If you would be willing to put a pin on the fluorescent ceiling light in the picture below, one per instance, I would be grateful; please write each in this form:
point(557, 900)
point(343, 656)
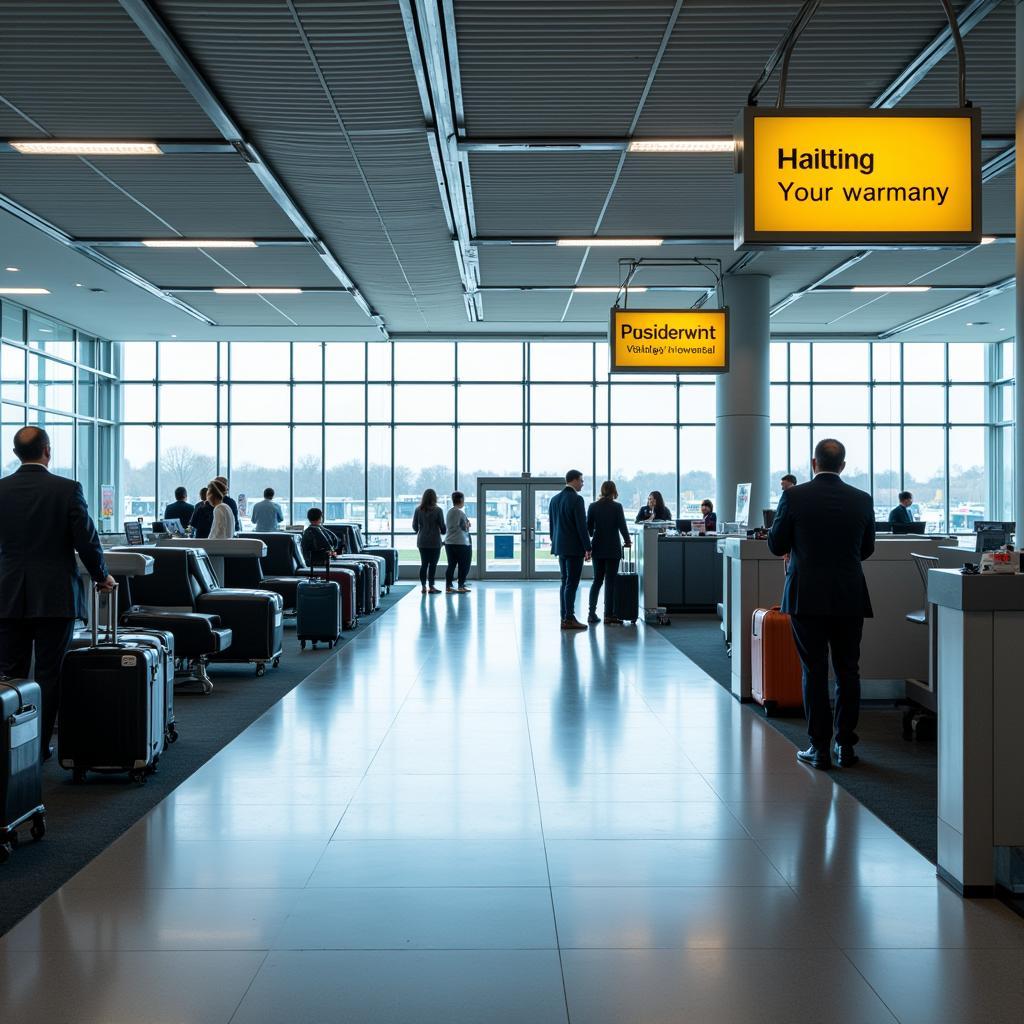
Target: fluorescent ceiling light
point(681, 146)
point(204, 243)
point(987, 239)
point(257, 291)
point(603, 290)
point(53, 147)
point(24, 291)
point(12, 270)
point(891, 288)
point(627, 242)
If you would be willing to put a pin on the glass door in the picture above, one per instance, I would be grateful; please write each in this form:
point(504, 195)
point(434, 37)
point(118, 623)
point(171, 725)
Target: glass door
point(512, 528)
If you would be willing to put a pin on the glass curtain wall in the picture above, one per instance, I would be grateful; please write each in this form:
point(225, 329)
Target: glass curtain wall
point(57, 377)
point(362, 428)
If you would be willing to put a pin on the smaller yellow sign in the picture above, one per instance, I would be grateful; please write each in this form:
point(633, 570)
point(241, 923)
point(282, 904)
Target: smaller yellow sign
point(669, 340)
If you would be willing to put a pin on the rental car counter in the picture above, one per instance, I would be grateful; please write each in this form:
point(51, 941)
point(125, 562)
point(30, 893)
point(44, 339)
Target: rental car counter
point(981, 707)
point(680, 572)
point(893, 649)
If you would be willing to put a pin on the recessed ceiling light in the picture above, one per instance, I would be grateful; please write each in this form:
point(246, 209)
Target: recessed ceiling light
point(978, 323)
point(205, 243)
point(257, 291)
point(53, 147)
point(12, 270)
point(173, 335)
point(987, 239)
point(46, 330)
point(603, 290)
point(891, 288)
point(78, 284)
point(621, 242)
point(682, 146)
point(24, 291)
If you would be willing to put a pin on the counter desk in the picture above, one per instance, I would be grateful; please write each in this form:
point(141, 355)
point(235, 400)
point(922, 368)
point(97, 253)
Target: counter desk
point(679, 572)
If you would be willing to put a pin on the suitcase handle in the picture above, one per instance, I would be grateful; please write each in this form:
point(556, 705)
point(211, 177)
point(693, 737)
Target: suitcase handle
point(629, 554)
point(111, 630)
point(22, 706)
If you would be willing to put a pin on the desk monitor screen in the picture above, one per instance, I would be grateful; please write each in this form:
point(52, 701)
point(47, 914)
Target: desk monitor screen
point(133, 533)
point(883, 526)
point(173, 527)
point(682, 526)
point(697, 526)
point(990, 540)
point(985, 524)
point(768, 517)
point(915, 528)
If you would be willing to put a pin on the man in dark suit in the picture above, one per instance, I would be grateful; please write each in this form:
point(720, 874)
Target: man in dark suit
point(180, 508)
point(567, 525)
point(901, 513)
point(606, 522)
point(44, 520)
point(827, 528)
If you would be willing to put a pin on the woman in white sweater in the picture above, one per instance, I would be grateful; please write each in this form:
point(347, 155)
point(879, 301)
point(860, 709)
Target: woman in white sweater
point(223, 518)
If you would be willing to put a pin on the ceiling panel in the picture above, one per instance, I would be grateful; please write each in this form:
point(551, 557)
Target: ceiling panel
point(978, 266)
point(323, 309)
point(525, 306)
point(997, 205)
point(531, 264)
point(228, 310)
point(849, 312)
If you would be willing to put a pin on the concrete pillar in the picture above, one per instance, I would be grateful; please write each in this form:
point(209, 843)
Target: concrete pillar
point(742, 418)
point(1018, 346)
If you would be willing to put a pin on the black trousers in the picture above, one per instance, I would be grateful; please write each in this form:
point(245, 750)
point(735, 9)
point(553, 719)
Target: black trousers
point(605, 571)
point(429, 557)
point(816, 636)
point(571, 569)
point(460, 556)
point(50, 638)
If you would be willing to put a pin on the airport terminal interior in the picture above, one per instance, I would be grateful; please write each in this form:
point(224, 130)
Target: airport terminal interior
point(336, 254)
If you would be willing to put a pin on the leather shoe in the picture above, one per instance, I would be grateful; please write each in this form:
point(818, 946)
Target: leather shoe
point(573, 623)
point(846, 757)
point(593, 619)
point(815, 758)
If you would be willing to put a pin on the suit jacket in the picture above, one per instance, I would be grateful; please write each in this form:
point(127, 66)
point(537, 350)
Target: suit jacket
point(567, 524)
point(202, 519)
point(44, 520)
point(900, 514)
point(827, 528)
point(180, 510)
point(605, 522)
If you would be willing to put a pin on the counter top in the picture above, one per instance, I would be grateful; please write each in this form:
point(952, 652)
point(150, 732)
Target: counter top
point(887, 549)
point(994, 592)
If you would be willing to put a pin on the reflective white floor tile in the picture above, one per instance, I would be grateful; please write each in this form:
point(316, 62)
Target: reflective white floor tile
point(382, 787)
point(432, 862)
point(191, 822)
point(794, 785)
point(813, 860)
point(718, 987)
point(912, 917)
point(449, 918)
point(141, 861)
point(749, 917)
point(776, 819)
point(623, 787)
point(437, 820)
point(655, 862)
point(947, 986)
point(155, 919)
point(599, 820)
point(239, 789)
point(140, 987)
point(428, 987)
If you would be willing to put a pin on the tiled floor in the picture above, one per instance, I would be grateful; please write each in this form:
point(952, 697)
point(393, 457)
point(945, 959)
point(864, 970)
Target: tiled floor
point(470, 816)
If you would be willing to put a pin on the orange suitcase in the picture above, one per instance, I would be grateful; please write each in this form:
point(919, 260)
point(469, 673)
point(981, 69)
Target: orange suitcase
point(775, 671)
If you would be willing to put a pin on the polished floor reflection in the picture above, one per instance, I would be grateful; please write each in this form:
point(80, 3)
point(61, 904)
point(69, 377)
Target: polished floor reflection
point(472, 816)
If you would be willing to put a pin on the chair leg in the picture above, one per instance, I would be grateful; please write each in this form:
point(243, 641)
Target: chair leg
point(200, 673)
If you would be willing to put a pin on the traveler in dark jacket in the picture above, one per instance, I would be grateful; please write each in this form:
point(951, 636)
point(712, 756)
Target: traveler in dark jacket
point(429, 523)
point(655, 510)
point(901, 513)
point(318, 543)
point(44, 520)
point(827, 528)
point(180, 508)
point(202, 516)
point(606, 522)
point(570, 541)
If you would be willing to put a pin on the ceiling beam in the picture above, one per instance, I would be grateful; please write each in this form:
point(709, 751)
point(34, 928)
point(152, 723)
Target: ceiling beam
point(174, 56)
point(53, 232)
point(989, 292)
point(433, 48)
point(999, 164)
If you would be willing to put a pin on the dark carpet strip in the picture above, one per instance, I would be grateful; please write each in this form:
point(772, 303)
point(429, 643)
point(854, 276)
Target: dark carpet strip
point(896, 779)
point(84, 820)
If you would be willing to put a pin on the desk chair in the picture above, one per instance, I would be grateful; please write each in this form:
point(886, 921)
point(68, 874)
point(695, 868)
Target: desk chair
point(919, 718)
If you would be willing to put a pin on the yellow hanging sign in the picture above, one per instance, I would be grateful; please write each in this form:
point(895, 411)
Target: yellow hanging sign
point(858, 177)
point(669, 340)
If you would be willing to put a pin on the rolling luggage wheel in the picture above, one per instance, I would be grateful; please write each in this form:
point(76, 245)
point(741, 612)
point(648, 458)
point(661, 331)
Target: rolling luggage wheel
point(38, 827)
point(769, 709)
point(302, 645)
point(277, 663)
point(138, 777)
point(172, 733)
point(261, 670)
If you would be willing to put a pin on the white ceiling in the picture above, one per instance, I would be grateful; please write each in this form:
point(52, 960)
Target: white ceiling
point(339, 101)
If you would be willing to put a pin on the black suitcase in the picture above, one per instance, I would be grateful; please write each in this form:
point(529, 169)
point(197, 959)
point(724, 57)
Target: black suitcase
point(165, 646)
point(21, 773)
point(626, 594)
point(370, 576)
point(113, 705)
point(318, 612)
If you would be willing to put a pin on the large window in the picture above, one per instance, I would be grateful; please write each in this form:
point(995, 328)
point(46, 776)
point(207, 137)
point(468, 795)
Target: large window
point(56, 377)
point(362, 428)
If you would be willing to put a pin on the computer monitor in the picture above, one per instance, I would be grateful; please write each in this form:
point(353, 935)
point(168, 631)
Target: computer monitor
point(768, 516)
point(985, 524)
point(682, 526)
point(173, 527)
point(698, 526)
point(883, 526)
point(990, 540)
point(903, 528)
point(133, 533)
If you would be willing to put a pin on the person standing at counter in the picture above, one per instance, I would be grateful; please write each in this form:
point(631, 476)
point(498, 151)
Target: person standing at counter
point(202, 516)
point(570, 542)
point(827, 528)
point(655, 509)
point(786, 482)
point(605, 522)
point(901, 513)
point(707, 510)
